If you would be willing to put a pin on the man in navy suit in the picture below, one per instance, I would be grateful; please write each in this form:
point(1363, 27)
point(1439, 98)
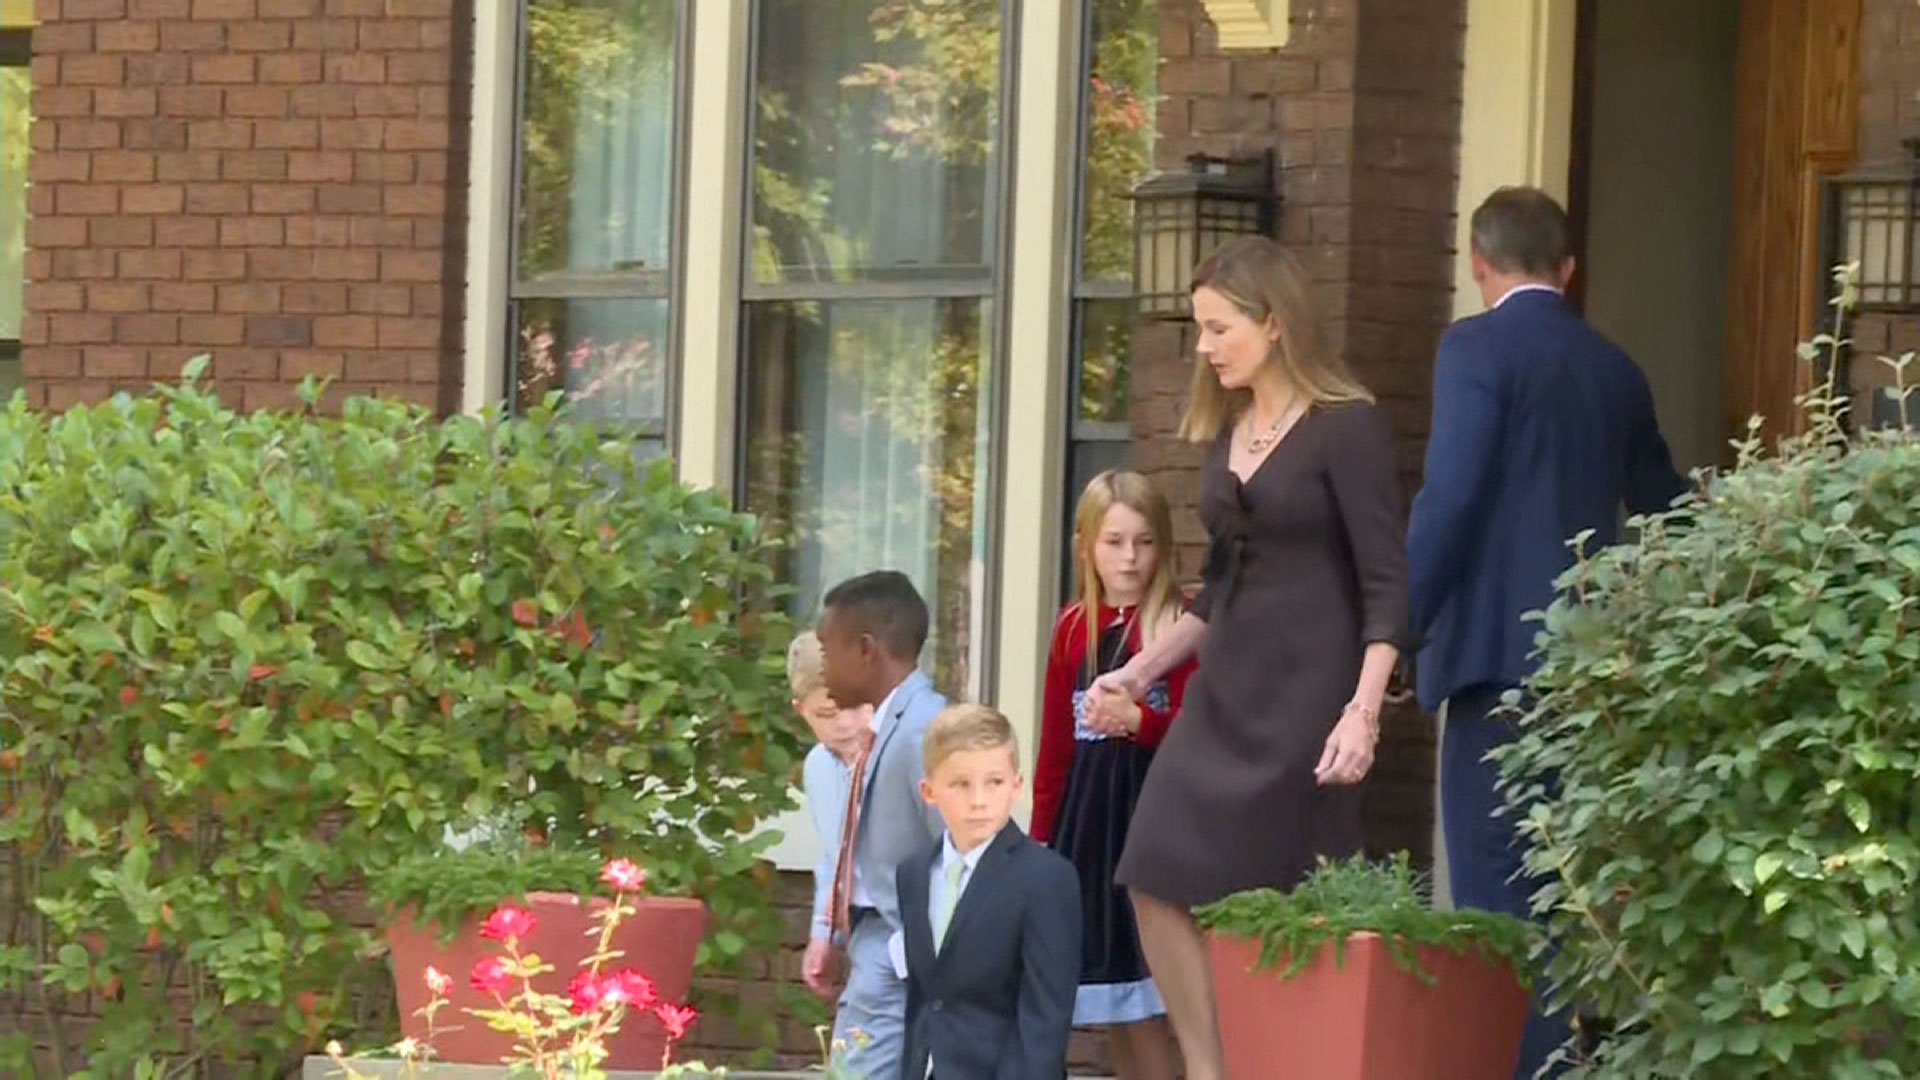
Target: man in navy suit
point(1542, 429)
point(991, 920)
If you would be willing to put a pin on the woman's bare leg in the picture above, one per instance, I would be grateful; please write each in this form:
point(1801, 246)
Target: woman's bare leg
point(1141, 1051)
point(1176, 953)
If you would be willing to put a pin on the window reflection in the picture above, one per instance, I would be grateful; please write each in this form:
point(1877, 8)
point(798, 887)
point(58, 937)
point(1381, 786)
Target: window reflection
point(866, 425)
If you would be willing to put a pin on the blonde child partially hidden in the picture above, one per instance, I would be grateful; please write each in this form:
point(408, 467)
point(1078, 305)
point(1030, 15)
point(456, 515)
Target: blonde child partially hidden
point(824, 781)
point(1093, 758)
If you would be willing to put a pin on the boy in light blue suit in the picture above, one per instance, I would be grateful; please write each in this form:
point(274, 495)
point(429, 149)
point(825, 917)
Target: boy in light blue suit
point(825, 779)
point(870, 635)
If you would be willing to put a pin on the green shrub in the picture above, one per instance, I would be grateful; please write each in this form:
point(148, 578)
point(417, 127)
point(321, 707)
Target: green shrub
point(1340, 899)
point(446, 886)
point(251, 660)
point(1719, 761)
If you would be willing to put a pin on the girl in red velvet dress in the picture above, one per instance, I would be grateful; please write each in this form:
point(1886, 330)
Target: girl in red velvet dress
point(1091, 762)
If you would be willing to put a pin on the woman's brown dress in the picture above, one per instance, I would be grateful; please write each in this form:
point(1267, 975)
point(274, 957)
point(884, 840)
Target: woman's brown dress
point(1307, 565)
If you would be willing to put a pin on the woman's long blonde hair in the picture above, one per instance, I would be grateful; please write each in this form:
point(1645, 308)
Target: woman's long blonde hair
point(1263, 280)
point(1159, 603)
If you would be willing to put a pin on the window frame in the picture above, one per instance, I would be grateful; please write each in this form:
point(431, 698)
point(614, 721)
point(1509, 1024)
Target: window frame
point(993, 288)
point(1082, 290)
point(16, 51)
point(668, 284)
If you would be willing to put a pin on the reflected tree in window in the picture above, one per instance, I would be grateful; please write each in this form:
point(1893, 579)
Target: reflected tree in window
point(876, 149)
point(1120, 105)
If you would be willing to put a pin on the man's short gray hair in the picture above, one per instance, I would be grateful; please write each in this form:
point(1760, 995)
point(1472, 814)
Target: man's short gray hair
point(1521, 230)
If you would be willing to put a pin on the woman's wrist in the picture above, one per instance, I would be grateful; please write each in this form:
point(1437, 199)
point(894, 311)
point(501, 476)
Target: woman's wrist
point(1369, 715)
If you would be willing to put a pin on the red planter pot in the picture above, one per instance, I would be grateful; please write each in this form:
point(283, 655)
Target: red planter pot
point(659, 940)
point(1367, 1019)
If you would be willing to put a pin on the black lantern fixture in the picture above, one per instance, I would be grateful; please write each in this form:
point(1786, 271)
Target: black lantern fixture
point(1874, 221)
point(1181, 218)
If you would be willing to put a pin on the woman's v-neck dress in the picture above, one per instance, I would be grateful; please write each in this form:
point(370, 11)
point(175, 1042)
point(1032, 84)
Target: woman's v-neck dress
point(1306, 566)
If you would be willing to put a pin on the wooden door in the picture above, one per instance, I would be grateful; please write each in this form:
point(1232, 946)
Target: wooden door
point(1795, 120)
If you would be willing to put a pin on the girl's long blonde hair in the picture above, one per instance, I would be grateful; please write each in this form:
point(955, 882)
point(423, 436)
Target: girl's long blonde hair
point(1159, 603)
point(1263, 280)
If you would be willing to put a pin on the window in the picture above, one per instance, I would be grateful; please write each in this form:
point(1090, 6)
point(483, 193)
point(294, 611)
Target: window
point(1117, 133)
point(16, 85)
point(870, 320)
point(594, 225)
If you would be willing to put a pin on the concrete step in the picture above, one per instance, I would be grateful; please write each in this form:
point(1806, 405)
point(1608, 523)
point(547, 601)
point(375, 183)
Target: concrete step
point(321, 1068)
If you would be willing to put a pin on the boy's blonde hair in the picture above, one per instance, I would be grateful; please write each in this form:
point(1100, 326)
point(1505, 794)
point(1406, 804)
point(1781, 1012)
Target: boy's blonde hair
point(806, 665)
point(965, 727)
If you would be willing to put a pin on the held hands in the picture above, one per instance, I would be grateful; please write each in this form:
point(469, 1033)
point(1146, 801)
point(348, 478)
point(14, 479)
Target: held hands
point(1113, 702)
point(1349, 750)
point(1113, 714)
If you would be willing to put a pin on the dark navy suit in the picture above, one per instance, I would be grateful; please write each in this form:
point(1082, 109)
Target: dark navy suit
point(1542, 430)
point(995, 1000)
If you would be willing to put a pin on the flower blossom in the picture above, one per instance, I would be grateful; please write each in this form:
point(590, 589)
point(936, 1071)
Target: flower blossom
point(623, 875)
point(628, 987)
point(507, 922)
point(491, 975)
point(676, 1018)
point(584, 992)
point(439, 983)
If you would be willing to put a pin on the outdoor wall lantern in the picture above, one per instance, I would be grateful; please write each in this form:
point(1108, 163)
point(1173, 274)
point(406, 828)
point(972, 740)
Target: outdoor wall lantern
point(1180, 218)
point(1872, 222)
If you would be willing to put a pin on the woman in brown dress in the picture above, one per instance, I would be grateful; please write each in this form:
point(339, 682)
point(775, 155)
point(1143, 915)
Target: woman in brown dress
point(1297, 626)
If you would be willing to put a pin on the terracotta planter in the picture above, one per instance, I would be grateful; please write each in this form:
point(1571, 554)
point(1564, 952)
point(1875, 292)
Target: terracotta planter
point(659, 940)
point(1367, 1019)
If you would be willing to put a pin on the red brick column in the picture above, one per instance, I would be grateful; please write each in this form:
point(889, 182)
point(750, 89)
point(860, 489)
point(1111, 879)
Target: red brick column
point(280, 183)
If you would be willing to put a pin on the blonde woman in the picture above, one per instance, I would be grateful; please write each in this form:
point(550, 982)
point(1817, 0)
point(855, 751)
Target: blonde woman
point(1092, 762)
point(1297, 626)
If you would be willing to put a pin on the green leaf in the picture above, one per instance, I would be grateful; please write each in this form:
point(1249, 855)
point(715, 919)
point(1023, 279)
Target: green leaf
point(1858, 811)
point(368, 657)
point(1767, 865)
point(1707, 849)
point(231, 626)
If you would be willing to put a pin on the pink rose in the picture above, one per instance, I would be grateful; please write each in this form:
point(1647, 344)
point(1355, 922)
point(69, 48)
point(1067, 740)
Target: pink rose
point(623, 875)
point(676, 1018)
point(585, 992)
point(629, 987)
point(507, 921)
point(439, 983)
point(491, 975)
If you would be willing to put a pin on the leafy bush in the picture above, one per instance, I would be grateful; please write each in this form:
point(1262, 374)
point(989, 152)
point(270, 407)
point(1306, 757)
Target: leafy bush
point(251, 660)
point(1718, 763)
point(1340, 899)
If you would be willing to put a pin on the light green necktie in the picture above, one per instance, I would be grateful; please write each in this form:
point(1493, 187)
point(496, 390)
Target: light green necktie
point(943, 915)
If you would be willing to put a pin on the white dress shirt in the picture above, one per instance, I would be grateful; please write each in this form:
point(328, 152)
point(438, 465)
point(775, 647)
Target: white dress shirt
point(1530, 286)
point(937, 889)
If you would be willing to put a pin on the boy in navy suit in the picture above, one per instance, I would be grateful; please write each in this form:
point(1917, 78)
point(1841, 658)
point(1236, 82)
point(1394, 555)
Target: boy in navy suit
point(991, 919)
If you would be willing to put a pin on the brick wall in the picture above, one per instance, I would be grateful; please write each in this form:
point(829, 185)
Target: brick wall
point(279, 183)
point(1361, 110)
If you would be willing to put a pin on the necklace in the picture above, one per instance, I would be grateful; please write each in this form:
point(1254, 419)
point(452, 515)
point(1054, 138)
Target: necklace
point(1126, 631)
point(1261, 442)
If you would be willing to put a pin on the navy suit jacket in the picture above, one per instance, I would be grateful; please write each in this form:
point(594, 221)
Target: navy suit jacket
point(995, 1002)
point(1542, 429)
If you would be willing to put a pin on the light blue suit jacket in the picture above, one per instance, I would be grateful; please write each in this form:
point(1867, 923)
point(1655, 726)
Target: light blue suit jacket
point(895, 822)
